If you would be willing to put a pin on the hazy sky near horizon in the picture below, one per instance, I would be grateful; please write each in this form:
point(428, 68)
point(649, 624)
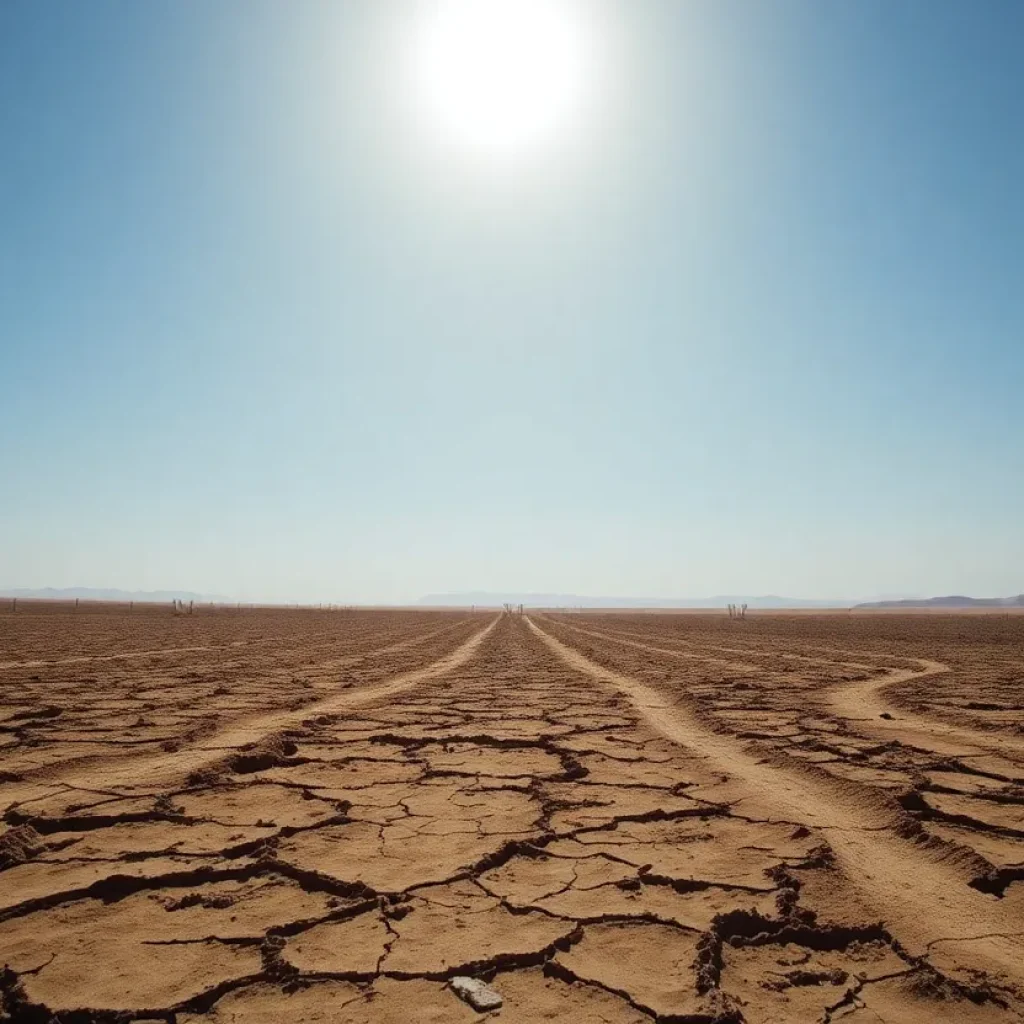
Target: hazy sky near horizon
point(752, 323)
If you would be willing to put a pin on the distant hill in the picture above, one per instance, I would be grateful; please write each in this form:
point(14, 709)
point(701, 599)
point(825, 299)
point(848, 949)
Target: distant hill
point(98, 594)
point(951, 601)
point(495, 600)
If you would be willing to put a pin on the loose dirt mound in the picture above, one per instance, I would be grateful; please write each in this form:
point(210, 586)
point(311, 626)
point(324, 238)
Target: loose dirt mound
point(606, 819)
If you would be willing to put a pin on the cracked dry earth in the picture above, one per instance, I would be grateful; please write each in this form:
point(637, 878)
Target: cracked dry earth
point(607, 818)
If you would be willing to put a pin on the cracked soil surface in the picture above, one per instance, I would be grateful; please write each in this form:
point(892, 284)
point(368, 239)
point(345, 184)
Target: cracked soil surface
point(610, 819)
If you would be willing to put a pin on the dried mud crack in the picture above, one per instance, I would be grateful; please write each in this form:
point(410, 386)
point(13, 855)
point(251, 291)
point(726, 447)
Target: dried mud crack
point(633, 819)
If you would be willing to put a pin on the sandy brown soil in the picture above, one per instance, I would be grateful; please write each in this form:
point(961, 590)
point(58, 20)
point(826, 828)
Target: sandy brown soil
point(302, 816)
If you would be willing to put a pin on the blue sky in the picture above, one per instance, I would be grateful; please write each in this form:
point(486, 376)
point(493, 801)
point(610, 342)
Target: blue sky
point(758, 328)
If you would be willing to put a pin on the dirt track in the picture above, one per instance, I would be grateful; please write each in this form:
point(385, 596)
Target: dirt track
point(315, 817)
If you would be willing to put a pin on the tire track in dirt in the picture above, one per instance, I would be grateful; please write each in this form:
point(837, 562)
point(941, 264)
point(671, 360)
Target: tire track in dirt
point(863, 703)
point(161, 769)
point(739, 666)
point(919, 888)
point(866, 704)
point(160, 652)
point(320, 666)
point(610, 634)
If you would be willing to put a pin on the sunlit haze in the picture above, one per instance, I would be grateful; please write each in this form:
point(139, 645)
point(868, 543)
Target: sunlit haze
point(358, 301)
point(500, 77)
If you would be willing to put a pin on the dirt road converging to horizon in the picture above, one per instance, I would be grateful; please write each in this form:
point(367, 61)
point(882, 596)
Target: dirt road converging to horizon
point(894, 873)
point(251, 731)
point(608, 818)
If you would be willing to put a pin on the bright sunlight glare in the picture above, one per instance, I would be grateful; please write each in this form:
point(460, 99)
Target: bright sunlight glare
point(501, 77)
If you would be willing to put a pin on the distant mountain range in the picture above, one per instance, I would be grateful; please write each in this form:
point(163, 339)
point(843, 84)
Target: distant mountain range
point(952, 601)
point(490, 599)
point(495, 600)
point(96, 594)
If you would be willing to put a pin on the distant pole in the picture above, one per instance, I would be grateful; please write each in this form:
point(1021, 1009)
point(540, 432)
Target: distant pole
point(14, 605)
point(76, 604)
point(131, 605)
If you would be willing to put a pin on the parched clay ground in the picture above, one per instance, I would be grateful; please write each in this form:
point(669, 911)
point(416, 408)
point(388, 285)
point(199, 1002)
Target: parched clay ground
point(325, 816)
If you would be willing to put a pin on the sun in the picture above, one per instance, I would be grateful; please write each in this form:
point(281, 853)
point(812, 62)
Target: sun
point(500, 77)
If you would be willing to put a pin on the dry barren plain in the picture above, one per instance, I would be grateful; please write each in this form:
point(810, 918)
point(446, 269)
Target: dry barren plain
point(280, 815)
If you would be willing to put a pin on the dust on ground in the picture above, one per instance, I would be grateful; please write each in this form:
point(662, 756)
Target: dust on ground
point(257, 815)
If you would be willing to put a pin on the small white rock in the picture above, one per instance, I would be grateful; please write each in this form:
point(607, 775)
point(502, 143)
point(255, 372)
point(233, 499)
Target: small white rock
point(480, 996)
